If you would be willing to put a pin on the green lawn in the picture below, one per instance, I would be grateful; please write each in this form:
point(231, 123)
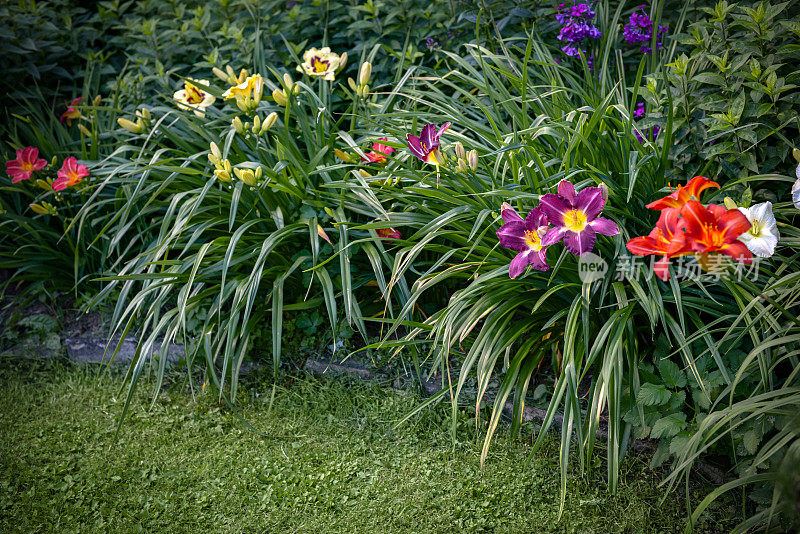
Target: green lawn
point(330, 461)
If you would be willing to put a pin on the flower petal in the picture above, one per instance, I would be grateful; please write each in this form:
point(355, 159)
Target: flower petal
point(644, 246)
point(511, 236)
point(738, 251)
point(567, 190)
point(553, 235)
point(415, 147)
point(554, 206)
point(604, 226)
point(590, 201)
point(580, 243)
point(428, 137)
point(518, 264)
point(508, 213)
point(536, 218)
point(732, 224)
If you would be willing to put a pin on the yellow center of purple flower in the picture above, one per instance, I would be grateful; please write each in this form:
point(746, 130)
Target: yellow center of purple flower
point(575, 220)
point(533, 240)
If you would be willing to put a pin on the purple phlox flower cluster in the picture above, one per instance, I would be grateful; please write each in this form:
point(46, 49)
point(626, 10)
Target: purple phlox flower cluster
point(431, 43)
point(639, 29)
point(576, 26)
point(638, 113)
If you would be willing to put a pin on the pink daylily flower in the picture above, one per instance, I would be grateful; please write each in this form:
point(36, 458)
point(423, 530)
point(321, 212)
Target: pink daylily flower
point(379, 153)
point(524, 236)
point(70, 174)
point(574, 217)
point(426, 146)
point(25, 165)
point(72, 112)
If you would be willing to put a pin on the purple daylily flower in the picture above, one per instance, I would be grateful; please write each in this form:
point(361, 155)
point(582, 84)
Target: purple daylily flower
point(524, 236)
point(574, 217)
point(426, 146)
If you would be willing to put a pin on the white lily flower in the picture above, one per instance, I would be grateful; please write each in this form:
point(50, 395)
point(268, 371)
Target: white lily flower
point(763, 235)
point(796, 188)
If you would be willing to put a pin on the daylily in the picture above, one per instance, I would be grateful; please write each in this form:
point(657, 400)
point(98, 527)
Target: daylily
point(389, 234)
point(379, 153)
point(72, 112)
point(715, 229)
point(763, 234)
point(246, 88)
point(684, 193)
point(524, 236)
point(25, 165)
point(193, 98)
point(574, 217)
point(70, 174)
point(320, 62)
point(667, 239)
point(426, 146)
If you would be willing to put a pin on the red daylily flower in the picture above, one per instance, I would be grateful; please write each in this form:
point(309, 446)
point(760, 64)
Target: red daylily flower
point(379, 153)
point(70, 174)
point(683, 194)
point(667, 239)
point(27, 163)
point(72, 112)
point(389, 234)
point(716, 229)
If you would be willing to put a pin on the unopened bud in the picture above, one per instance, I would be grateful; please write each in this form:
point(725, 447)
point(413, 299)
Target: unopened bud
point(215, 150)
point(460, 152)
point(365, 174)
point(220, 74)
point(604, 192)
point(364, 73)
point(730, 203)
point(352, 83)
point(238, 126)
point(364, 90)
point(259, 173)
point(279, 97)
point(231, 75)
point(796, 154)
point(246, 175)
point(44, 184)
point(296, 89)
point(226, 165)
point(84, 130)
point(54, 161)
point(222, 175)
point(472, 158)
point(268, 122)
point(287, 80)
point(462, 165)
point(322, 234)
point(145, 114)
point(342, 62)
point(131, 126)
point(97, 100)
point(44, 208)
point(256, 125)
point(258, 89)
point(243, 74)
point(344, 156)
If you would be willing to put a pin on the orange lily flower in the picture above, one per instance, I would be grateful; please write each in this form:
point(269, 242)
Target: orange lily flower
point(716, 229)
point(667, 239)
point(684, 193)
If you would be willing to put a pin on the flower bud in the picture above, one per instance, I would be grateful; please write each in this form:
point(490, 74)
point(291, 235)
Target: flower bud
point(730, 203)
point(279, 97)
point(221, 75)
point(268, 122)
point(352, 83)
point(796, 154)
point(131, 126)
point(256, 125)
point(231, 75)
point(215, 150)
point(604, 192)
point(364, 73)
point(462, 165)
point(84, 130)
point(44, 209)
point(322, 234)
point(258, 90)
point(243, 74)
point(365, 174)
point(44, 184)
point(222, 175)
point(238, 126)
point(259, 173)
point(460, 152)
point(342, 62)
point(246, 175)
point(287, 80)
point(226, 165)
point(54, 161)
point(472, 158)
point(296, 89)
point(344, 156)
point(145, 114)
point(364, 90)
